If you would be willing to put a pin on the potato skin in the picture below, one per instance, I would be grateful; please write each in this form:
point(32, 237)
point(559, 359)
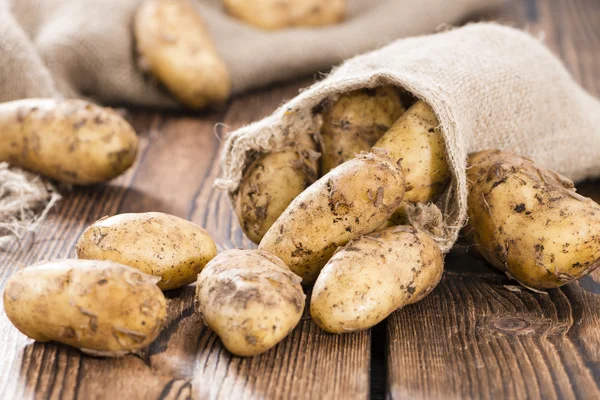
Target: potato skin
point(72, 141)
point(351, 200)
point(374, 275)
point(177, 49)
point(415, 138)
point(271, 183)
point(157, 244)
point(250, 299)
point(355, 122)
point(278, 14)
point(101, 307)
point(530, 222)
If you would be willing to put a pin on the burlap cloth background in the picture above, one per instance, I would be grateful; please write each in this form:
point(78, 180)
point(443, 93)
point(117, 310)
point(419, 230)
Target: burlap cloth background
point(490, 86)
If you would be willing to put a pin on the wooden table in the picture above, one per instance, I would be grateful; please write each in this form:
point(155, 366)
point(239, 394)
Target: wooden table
point(473, 337)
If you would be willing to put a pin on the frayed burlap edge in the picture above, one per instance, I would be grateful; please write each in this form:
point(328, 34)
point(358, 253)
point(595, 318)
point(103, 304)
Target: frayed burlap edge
point(25, 200)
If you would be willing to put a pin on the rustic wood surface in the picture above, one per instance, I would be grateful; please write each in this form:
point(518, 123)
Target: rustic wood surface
point(475, 336)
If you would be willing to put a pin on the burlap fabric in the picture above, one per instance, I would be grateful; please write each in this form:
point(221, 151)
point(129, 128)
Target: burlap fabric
point(490, 86)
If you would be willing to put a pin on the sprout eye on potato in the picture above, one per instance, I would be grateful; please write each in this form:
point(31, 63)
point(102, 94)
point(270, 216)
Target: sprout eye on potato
point(157, 244)
point(374, 275)
point(351, 200)
point(530, 222)
point(355, 122)
point(250, 299)
point(175, 46)
point(72, 141)
point(100, 307)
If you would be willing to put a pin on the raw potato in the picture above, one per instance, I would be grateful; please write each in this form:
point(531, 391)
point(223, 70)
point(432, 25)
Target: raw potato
point(72, 141)
point(157, 244)
point(373, 276)
point(101, 307)
point(271, 183)
point(416, 140)
point(175, 46)
point(355, 122)
point(250, 299)
point(278, 14)
point(530, 222)
point(351, 200)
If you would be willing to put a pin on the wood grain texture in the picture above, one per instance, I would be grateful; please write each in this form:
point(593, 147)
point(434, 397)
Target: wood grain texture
point(473, 337)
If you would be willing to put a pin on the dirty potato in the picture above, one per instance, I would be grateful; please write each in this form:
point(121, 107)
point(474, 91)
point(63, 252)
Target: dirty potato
point(373, 276)
point(530, 222)
point(415, 139)
point(157, 244)
point(351, 200)
point(101, 307)
point(271, 183)
point(72, 141)
point(250, 299)
point(278, 14)
point(355, 122)
point(175, 46)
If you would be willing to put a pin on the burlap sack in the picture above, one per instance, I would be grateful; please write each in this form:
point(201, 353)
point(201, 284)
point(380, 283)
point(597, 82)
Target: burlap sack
point(490, 86)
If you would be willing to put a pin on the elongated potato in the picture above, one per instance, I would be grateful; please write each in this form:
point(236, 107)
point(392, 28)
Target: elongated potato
point(250, 299)
point(101, 307)
point(530, 222)
point(271, 183)
point(175, 46)
point(355, 122)
point(373, 276)
point(72, 141)
point(416, 140)
point(278, 14)
point(157, 244)
point(351, 200)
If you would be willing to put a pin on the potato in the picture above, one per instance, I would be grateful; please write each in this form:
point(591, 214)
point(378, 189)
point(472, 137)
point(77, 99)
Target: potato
point(271, 183)
point(72, 141)
point(101, 307)
point(373, 276)
point(250, 299)
point(278, 14)
point(530, 222)
point(416, 140)
point(175, 46)
point(157, 244)
point(351, 200)
point(355, 122)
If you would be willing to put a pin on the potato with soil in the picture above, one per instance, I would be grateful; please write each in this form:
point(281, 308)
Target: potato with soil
point(278, 14)
point(101, 307)
point(351, 200)
point(271, 183)
point(530, 222)
point(250, 299)
point(157, 244)
point(176, 48)
point(416, 140)
point(72, 141)
point(373, 276)
point(355, 122)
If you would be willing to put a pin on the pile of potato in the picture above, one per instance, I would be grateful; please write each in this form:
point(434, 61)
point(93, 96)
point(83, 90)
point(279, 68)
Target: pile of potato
point(345, 234)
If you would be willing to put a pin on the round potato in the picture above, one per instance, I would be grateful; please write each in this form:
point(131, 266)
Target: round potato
point(250, 299)
point(157, 244)
point(271, 183)
point(373, 276)
point(101, 307)
point(278, 14)
point(175, 46)
point(355, 122)
point(530, 222)
point(351, 200)
point(72, 141)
